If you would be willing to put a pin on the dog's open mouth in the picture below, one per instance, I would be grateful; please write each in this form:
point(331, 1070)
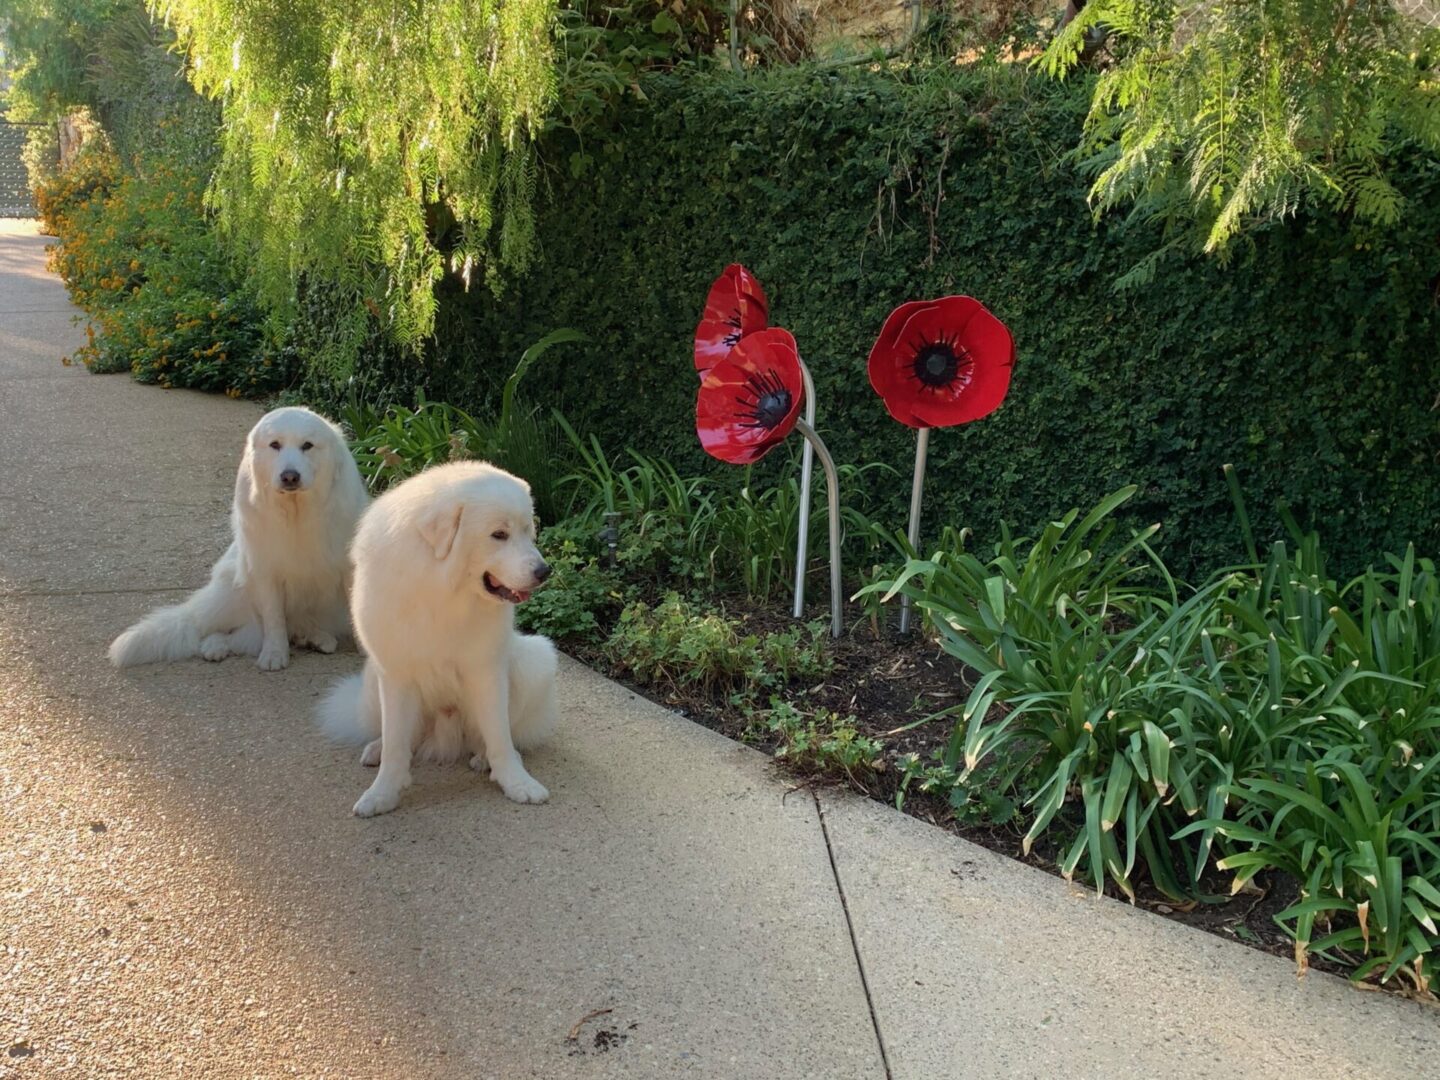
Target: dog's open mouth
point(504, 592)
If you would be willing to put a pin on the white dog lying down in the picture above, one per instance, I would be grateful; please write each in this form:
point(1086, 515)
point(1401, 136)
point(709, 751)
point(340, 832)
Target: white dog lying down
point(298, 496)
point(440, 561)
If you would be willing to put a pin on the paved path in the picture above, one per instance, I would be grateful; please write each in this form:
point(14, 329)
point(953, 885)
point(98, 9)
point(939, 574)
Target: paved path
point(184, 892)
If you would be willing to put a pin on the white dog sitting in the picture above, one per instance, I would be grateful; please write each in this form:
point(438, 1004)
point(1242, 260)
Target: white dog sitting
point(440, 562)
point(283, 580)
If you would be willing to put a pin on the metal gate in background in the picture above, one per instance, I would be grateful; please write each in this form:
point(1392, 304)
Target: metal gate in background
point(15, 197)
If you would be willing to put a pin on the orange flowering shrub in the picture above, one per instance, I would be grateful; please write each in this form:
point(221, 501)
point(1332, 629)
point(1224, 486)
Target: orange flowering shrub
point(89, 176)
point(165, 303)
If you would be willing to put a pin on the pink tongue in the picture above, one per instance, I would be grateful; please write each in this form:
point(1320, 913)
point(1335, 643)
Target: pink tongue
point(520, 597)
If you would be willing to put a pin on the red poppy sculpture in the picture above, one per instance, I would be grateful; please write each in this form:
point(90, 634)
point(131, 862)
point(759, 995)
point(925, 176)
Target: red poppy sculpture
point(735, 307)
point(938, 363)
point(753, 386)
point(750, 400)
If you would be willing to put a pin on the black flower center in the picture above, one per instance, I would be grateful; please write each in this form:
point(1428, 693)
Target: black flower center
point(733, 338)
point(941, 363)
point(765, 402)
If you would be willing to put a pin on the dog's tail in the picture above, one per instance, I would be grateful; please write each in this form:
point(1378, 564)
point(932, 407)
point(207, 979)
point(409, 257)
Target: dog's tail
point(170, 633)
point(350, 712)
point(533, 712)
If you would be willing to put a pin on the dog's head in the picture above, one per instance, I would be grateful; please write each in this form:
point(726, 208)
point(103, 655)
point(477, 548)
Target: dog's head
point(292, 450)
point(484, 525)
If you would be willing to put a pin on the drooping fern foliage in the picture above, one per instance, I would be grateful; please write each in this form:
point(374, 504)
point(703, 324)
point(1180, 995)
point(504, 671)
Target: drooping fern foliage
point(1220, 116)
point(373, 147)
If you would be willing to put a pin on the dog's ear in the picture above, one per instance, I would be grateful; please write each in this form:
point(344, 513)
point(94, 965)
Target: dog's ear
point(250, 486)
point(440, 528)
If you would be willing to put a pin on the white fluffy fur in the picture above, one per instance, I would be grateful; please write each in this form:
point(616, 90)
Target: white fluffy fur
point(447, 673)
point(284, 578)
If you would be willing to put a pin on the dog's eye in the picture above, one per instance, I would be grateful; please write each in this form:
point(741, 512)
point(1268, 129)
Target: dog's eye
point(275, 445)
point(307, 446)
point(499, 534)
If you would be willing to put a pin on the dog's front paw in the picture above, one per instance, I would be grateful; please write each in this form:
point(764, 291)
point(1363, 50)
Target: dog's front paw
point(274, 657)
point(370, 756)
point(318, 640)
point(377, 800)
point(479, 763)
point(519, 786)
point(215, 647)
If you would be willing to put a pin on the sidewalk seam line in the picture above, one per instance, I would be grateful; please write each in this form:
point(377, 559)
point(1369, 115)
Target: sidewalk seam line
point(854, 941)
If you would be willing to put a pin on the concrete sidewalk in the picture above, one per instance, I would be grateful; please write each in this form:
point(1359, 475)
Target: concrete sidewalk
point(184, 892)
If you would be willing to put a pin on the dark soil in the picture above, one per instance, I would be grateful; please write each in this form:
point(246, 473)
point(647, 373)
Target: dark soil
point(887, 684)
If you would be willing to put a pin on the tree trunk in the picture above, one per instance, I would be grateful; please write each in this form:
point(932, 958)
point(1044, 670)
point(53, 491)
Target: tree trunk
point(1094, 38)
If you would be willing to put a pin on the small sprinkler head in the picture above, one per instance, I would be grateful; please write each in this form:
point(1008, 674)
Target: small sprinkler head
point(610, 537)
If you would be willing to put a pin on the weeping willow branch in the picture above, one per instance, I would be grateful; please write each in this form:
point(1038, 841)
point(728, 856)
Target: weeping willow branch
point(377, 146)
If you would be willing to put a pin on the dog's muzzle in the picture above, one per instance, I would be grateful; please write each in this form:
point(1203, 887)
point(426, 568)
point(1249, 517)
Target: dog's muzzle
point(289, 480)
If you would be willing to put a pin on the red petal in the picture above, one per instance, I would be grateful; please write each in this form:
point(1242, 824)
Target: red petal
point(882, 377)
point(723, 428)
point(735, 305)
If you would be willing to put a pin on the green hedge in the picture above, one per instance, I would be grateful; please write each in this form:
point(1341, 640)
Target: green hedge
point(1309, 361)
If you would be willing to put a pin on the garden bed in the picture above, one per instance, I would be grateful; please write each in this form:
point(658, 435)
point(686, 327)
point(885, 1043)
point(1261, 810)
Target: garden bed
point(886, 687)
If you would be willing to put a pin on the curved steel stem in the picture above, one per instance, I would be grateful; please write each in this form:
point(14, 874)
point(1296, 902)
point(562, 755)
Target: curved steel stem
point(832, 493)
point(917, 492)
point(807, 468)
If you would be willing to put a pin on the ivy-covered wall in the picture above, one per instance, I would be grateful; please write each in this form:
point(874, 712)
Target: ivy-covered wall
point(1310, 361)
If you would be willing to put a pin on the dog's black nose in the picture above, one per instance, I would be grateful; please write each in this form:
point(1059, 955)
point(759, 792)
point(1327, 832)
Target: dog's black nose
point(289, 478)
point(542, 571)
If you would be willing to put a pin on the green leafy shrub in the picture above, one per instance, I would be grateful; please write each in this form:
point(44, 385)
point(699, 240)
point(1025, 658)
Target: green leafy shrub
point(1269, 720)
point(735, 531)
point(1348, 800)
point(61, 193)
point(580, 596)
point(1035, 622)
point(395, 444)
point(818, 740)
point(1365, 847)
point(41, 156)
point(681, 644)
point(138, 254)
point(973, 799)
point(399, 442)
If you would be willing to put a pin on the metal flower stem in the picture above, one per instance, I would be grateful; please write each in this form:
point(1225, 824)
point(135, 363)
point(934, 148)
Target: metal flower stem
point(807, 469)
point(917, 491)
point(832, 493)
